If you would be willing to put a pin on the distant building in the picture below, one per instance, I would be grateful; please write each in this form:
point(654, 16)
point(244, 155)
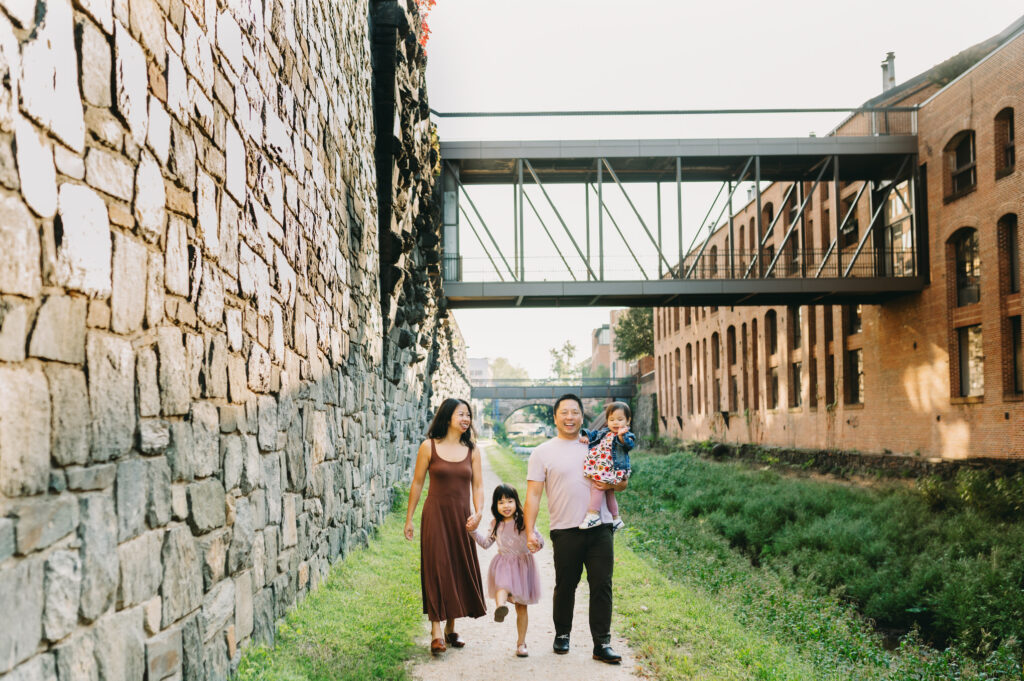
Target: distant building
point(479, 369)
point(939, 373)
point(619, 367)
point(600, 351)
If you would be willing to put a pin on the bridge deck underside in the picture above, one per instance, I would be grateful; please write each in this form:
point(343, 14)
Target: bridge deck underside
point(680, 293)
point(550, 392)
point(790, 159)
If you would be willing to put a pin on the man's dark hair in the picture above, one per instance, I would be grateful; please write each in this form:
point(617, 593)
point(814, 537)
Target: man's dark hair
point(563, 398)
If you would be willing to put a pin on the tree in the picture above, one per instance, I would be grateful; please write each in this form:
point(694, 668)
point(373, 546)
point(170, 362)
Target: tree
point(562, 365)
point(502, 368)
point(634, 333)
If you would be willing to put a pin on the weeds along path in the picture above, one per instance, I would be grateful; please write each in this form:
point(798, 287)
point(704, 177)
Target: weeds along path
point(490, 647)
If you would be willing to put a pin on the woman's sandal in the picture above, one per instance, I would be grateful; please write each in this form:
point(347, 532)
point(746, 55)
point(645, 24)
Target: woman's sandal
point(521, 650)
point(500, 612)
point(437, 646)
point(454, 640)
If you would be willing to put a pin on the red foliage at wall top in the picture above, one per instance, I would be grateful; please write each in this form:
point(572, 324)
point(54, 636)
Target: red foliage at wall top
point(424, 7)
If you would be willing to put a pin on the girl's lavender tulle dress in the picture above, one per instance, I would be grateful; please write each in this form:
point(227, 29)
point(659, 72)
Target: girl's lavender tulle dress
point(513, 569)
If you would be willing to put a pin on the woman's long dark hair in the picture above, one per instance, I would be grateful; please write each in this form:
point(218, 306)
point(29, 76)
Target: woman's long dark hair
point(504, 491)
point(442, 419)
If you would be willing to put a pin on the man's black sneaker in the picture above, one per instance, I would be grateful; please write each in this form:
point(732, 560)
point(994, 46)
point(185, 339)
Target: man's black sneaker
point(604, 653)
point(561, 644)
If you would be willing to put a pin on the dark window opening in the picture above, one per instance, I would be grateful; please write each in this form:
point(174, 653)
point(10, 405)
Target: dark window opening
point(854, 319)
point(960, 154)
point(795, 378)
point(855, 377)
point(1018, 355)
point(968, 268)
point(1009, 241)
point(1006, 154)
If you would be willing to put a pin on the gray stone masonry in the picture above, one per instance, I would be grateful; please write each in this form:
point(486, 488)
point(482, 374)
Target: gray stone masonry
point(208, 398)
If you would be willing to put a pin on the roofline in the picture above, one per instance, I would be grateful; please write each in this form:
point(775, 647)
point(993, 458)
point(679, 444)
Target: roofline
point(998, 48)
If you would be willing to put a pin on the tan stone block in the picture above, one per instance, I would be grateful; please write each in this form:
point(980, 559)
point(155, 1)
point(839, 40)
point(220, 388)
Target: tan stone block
point(179, 200)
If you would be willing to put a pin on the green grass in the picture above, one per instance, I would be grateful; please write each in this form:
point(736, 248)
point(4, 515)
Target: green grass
point(702, 523)
point(677, 631)
point(687, 595)
point(359, 624)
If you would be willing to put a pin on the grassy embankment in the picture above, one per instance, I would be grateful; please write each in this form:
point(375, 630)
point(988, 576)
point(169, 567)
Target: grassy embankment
point(790, 558)
point(692, 605)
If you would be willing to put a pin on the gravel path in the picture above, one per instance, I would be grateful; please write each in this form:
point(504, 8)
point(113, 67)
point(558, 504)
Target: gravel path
point(490, 647)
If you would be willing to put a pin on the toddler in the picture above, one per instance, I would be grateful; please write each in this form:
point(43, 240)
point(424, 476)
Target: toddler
point(608, 462)
point(513, 576)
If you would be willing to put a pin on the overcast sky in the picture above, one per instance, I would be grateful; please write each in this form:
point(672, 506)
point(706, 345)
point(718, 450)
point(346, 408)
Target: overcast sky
point(542, 55)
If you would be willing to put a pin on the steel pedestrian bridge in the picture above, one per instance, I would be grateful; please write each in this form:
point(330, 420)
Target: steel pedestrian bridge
point(875, 147)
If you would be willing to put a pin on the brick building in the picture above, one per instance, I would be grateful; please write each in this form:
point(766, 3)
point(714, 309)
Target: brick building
point(938, 373)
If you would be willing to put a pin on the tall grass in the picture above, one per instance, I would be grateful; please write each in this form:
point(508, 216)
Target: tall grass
point(955, 575)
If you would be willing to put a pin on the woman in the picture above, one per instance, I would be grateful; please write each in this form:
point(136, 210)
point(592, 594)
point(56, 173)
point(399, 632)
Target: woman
point(449, 570)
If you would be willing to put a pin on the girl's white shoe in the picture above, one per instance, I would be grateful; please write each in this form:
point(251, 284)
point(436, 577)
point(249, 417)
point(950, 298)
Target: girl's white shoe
point(591, 520)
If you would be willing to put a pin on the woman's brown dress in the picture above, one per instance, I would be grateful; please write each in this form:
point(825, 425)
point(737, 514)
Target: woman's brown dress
point(449, 570)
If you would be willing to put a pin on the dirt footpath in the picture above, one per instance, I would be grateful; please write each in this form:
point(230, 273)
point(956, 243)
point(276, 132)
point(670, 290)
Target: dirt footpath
point(490, 647)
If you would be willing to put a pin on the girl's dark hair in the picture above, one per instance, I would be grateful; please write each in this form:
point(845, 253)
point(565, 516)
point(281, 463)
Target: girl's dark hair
point(504, 491)
point(612, 407)
point(439, 426)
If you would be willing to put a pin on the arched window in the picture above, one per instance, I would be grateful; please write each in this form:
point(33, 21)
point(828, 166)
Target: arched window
point(771, 333)
point(767, 215)
point(713, 264)
point(753, 235)
point(715, 355)
point(1006, 154)
point(961, 170)
point(730, 345)
point(968, 266)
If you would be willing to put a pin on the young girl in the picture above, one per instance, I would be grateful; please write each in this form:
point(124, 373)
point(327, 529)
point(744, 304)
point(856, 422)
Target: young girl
point(513, 576)
point(608, 462)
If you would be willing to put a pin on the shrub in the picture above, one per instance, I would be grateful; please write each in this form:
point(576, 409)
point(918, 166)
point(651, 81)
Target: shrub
point(942, 559)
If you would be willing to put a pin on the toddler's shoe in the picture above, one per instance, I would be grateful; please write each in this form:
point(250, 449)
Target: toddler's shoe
point(617, 524)
point(591, 520)
point(500, 613)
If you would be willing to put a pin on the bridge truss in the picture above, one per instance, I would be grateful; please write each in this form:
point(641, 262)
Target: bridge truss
point(584, 274)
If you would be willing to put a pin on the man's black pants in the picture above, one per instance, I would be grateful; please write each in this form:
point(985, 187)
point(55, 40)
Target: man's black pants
point(575, 549)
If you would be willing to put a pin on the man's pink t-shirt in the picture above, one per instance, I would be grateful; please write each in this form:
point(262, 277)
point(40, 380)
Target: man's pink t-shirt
point(558, 463)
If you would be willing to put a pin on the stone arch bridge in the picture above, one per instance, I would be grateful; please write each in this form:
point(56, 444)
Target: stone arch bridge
point(511, 395)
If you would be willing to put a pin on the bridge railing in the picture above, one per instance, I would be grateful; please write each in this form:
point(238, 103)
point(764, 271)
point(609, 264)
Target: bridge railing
point(567, 382)
point(718, 265)
point(585, 124)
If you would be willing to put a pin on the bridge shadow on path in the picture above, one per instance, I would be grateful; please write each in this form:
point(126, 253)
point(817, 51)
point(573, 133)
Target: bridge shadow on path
point(490, 646)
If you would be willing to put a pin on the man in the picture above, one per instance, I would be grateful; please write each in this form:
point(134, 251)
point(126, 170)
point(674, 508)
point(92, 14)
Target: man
point(557, 466)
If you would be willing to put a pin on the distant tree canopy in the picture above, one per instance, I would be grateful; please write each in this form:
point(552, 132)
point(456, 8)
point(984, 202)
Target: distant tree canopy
point(502, 368)
point(634, 333)
point(562, 365)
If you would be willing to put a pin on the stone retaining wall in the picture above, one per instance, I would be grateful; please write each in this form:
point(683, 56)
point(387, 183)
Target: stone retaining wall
point(202, 403)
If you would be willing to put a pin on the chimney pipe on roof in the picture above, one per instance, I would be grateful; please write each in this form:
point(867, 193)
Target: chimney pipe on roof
point(889, 72)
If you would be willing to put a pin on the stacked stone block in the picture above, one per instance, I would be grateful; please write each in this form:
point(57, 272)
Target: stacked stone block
point(197, 414)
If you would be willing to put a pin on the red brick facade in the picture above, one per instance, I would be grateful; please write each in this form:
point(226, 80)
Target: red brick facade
point(937, 373)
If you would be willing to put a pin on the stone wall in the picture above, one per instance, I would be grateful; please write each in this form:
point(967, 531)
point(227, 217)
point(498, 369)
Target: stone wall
point(203, 405)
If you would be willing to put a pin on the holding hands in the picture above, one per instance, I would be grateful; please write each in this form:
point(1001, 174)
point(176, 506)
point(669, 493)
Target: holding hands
point(533, 544)
point(473, 521)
